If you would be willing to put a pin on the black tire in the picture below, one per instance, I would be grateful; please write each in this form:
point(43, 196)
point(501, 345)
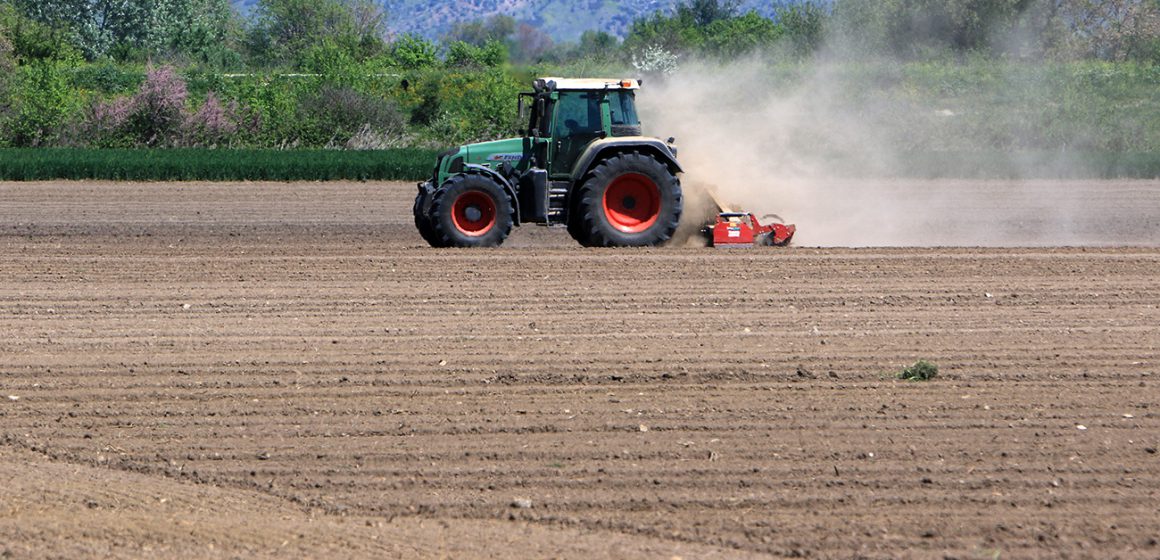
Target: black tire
point(471, 210)
point(576, 226)
point(628, 200)
point(422, 221)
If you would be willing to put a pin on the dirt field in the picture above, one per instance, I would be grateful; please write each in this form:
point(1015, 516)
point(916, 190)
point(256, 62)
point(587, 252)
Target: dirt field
point(286, 371)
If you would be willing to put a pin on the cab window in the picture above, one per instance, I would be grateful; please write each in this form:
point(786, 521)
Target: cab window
point(578, 112)
point(622, 108)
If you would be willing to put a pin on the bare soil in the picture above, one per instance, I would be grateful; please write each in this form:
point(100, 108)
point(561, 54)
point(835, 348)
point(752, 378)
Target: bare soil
point(272, 370)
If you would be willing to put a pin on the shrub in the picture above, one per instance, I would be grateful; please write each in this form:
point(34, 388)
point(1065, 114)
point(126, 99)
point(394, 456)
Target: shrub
point(157, 111)
point(465, 55)
point(804, 26)
point(922, 370)
point(107, 78)
point(733, 37)
point(43, 102)
point(654, 59)
point(106, 125)
point(338, 114)
point(213, 124)
point(414, 53)
point(32, 40)
point(270, 108)
point(462, 107)
point(6, 63)
point(158, 115)
point(6, 67)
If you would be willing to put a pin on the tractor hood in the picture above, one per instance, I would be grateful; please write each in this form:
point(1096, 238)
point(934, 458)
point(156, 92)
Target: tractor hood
point(489, 154)
point(495, 153)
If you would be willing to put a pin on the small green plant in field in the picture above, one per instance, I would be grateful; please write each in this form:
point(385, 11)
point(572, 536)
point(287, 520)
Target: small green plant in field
point(922, 370)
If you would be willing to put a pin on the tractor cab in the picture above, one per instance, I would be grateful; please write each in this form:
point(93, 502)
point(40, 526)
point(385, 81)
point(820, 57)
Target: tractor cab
point(565, 116)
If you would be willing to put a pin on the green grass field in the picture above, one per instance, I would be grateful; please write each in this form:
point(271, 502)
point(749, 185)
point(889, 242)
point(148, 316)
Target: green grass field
point(213, 165)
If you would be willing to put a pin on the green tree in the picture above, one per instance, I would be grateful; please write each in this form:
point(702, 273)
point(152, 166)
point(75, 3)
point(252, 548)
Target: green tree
point(6, 63)
point(482, 31)
point(1105, 29)
point(286, 30)
point(912, 28)
point(152, 27)
point(676, 33)
point(530, 44)
point(702, 26)
point(6, 67)
point(735, 36)
point(43, 100)
point(597, 44)
point(414, 53)
point(30, 39)
point(466, 55)
point(804, 25)
point(705, 12)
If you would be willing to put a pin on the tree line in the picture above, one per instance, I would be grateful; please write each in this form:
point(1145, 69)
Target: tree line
point(328, 73)
point(296, 34)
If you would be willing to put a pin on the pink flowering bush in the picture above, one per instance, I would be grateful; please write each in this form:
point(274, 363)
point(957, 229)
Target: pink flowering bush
point(159, 116)
point(106, 124)
point(213, 124)
point(158, 109)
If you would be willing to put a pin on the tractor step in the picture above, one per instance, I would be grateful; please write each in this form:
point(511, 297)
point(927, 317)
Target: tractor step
point(558, 201)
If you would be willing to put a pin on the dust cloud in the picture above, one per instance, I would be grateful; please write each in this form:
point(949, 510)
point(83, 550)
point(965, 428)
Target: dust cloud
point(808, 142)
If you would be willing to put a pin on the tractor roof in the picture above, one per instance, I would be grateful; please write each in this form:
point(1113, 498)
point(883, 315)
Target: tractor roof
point(592, 83)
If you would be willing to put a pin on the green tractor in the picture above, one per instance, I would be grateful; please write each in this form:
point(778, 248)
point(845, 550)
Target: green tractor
point(582, 163)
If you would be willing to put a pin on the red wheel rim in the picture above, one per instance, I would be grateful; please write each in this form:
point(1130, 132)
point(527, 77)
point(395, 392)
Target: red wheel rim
point(632, 203)
point(473, 213)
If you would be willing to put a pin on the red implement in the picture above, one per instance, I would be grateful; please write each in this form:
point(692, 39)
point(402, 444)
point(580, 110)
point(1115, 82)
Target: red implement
point(740, 229)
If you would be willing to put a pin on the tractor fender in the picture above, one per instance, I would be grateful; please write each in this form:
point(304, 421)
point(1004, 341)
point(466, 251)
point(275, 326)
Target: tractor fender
point(503, 182)
point(644, 144)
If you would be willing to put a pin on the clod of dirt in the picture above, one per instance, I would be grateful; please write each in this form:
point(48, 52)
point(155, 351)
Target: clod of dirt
point(1150, 450)
point(522, 503)
point(803, 372)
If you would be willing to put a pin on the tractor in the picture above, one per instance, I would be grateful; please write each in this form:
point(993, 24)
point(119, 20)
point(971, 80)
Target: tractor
point(582, 163)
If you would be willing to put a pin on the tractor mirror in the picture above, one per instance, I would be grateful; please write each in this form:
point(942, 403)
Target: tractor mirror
point(540, 117)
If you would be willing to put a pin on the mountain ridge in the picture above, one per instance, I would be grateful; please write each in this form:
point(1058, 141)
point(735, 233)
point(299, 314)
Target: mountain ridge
point(562, 20)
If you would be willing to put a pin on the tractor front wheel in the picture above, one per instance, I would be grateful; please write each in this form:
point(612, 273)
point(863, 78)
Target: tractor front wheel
point(471, 210)
point(628, 200)
point(423, 221)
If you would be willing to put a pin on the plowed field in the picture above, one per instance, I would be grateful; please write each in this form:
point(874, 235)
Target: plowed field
point(256, 370)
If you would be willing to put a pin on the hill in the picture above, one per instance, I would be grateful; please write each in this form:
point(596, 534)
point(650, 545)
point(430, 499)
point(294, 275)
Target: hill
point(563, 20)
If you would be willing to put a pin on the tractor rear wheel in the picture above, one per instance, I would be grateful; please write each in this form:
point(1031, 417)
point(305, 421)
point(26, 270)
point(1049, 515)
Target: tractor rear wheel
point(628, 200)
point(471, 210)
point(423, 221)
